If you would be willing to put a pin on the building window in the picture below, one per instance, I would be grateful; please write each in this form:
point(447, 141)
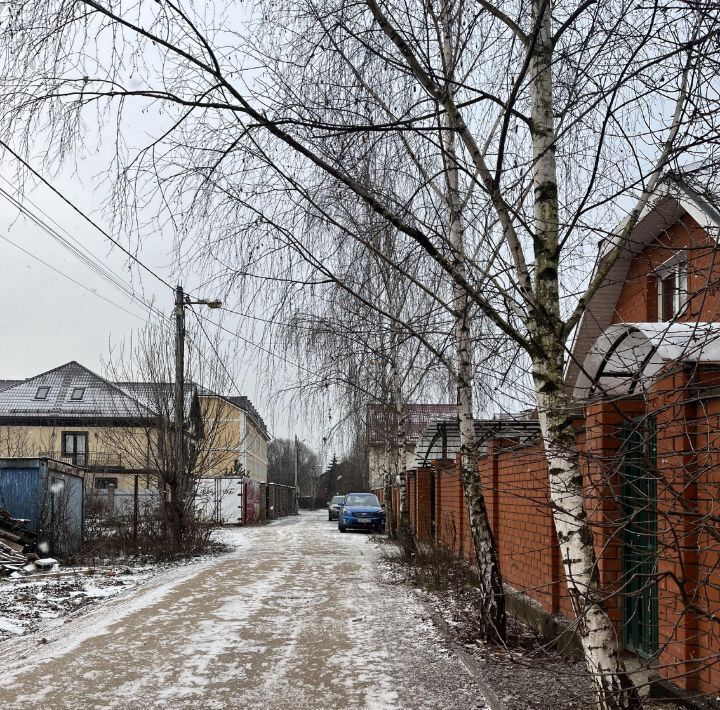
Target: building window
point(75, 446)
point(672, 288)
point(78, 393)
point(42, 392)
point(104, 483)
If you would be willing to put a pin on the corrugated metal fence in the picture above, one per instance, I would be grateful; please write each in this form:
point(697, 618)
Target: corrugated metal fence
point(50, 495)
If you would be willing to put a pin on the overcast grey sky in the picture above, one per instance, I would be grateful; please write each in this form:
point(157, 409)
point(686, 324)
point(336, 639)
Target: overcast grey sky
point(49, 319)
point(61, 310)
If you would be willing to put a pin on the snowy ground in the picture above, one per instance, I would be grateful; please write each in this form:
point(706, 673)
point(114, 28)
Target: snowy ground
point(44, 599)
point(296, 616)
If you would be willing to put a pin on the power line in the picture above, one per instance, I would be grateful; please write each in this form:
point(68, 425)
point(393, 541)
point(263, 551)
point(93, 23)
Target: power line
point(83, 215)
point(79, 253)
point(214, 349)
point(260, 347)
point(126, 251)
point(25, 198)
point(69, 278)
point(101, 271)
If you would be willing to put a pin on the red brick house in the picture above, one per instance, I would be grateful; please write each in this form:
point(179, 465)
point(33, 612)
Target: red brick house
point(645, 376)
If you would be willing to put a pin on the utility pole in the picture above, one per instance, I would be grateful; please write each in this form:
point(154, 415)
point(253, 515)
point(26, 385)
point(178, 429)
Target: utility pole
point(179, 402)
point(296, 472)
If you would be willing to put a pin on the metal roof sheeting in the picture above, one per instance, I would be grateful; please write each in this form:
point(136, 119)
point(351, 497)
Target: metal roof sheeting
point(101, 399)
point(157, 396)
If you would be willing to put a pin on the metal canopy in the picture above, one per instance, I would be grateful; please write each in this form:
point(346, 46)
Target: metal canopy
point(441, 438)
point(627, 357)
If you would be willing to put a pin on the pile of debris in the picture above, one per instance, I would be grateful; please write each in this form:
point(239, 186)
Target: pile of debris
point(15, 538)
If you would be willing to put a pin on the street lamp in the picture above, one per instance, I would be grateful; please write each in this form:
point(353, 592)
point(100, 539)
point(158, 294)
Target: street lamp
point(205, 302)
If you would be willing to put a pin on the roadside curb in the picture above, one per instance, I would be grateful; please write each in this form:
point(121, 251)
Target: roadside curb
point(469, 663)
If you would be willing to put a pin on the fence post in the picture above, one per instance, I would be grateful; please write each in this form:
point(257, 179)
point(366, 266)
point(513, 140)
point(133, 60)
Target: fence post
point(136, 494)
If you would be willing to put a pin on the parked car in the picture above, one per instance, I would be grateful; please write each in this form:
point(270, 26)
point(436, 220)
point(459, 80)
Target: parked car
point(362, 511)
point(334, 507)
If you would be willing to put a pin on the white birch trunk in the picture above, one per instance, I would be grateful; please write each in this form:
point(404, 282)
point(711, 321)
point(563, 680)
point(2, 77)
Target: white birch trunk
point(493, 615)
point(388, 483)
point(612, 686)
point(404, 531)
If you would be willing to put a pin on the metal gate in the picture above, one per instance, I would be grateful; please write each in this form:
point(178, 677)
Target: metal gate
point(638, 482)
point(220, 500)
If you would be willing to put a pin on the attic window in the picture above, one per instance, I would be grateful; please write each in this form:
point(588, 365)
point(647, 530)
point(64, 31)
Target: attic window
point(42, 392)
point(672, 288)
point(78, 393)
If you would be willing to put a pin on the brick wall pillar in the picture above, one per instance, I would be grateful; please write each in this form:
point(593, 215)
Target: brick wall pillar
point(461, 514)
point(602, 460)
point(423, 503)
point(448, 504)
point(410, 488)
point(437, 523)
point(672, 401)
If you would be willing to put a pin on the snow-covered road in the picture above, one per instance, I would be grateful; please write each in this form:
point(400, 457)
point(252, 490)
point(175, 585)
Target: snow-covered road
point(296, 617)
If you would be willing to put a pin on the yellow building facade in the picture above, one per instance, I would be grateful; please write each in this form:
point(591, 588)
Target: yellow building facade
point(113, 432)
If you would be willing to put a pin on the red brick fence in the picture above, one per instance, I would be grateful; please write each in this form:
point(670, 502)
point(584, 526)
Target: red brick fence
point(681, 624)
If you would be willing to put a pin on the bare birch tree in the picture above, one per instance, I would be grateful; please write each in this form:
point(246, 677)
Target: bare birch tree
point(354, 339)
point(398, 308)
point(564, 119)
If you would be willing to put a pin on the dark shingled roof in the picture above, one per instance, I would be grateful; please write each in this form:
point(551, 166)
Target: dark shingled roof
point(96, 398)
point(50, 395)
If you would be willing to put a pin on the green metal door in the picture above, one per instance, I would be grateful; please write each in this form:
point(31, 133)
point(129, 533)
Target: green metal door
point(639, 537)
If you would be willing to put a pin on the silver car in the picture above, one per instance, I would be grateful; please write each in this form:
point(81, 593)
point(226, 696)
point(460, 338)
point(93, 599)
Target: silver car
point(334, 507)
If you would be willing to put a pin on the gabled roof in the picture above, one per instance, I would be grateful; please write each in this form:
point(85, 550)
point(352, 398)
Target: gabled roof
point(50, 395)
point(23, 400)
point(675, 197)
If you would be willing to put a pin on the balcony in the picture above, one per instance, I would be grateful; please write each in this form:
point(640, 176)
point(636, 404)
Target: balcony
point(98, 460)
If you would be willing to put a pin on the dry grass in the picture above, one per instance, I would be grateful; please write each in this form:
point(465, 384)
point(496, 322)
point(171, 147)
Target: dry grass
point(435, 568)
point(152, 541)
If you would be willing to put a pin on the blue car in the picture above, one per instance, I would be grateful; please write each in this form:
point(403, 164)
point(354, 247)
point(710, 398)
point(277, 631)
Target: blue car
point(362, 511)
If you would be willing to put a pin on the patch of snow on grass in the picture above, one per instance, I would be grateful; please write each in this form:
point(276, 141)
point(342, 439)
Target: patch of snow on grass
point(11, 627)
